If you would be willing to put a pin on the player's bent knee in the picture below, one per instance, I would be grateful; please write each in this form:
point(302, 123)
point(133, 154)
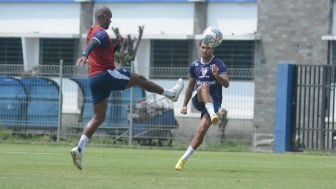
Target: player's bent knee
point(204, 88)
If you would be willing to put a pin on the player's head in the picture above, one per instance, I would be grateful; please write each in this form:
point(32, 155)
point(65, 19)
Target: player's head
point(103, 16)
point(205, 50)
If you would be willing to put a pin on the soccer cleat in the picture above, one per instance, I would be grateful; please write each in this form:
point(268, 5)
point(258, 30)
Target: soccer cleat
point(180, 164)
point(177, 89)
point(215, 119)
point(76, 157)
point(222, 113)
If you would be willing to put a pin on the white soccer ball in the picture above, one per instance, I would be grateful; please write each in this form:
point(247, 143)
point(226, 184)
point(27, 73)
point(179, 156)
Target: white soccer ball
point(212, 37)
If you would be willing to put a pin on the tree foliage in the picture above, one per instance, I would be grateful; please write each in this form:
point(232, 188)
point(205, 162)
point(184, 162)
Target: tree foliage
point(125, 55)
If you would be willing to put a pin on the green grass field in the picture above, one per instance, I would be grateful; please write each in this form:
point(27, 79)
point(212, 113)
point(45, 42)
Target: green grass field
point(50, 167)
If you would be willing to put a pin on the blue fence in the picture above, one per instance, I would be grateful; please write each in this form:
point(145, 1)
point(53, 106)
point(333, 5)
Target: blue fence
point(43, 100)
point(13, 100)
point(28, 102)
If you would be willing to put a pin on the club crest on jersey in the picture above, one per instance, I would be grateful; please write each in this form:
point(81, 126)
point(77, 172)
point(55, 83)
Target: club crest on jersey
point(204, 72)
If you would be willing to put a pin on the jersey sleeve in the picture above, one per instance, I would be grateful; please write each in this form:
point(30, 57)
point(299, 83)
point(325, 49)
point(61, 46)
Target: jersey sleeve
point(222, 68)
point(191, 71)
point(102, 37)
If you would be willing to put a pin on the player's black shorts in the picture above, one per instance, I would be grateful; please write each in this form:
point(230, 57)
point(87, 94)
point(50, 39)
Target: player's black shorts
point(103, 83)
point(200, 106)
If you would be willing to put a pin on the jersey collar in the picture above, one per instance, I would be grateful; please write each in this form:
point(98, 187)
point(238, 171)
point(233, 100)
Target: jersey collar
point(201, 60)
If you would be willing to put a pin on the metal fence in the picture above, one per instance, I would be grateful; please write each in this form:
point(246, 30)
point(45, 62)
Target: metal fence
point(315, 113)
point(56, 102)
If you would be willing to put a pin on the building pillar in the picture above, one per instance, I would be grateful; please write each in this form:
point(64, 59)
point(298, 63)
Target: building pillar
point(200, 23)
point(30, 52)
point(86, 21)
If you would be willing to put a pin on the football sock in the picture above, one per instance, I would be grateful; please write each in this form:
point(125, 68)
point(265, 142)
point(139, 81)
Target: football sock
point(210, 108)
point(82, 142)
point(188, 153)
point(168, 93)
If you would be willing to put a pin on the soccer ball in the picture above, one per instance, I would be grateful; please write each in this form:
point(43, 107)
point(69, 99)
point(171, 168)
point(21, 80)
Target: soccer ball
point(212, 37)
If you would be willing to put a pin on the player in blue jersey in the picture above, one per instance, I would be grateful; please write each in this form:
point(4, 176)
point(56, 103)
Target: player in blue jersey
point(207, 76)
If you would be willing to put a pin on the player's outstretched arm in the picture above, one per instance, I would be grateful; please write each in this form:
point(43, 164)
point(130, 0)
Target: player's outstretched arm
point(187, 95)
point(84, 58)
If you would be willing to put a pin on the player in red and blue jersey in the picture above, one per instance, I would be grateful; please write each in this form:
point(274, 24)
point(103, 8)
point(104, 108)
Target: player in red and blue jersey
point(104, 77)
point(207, 77)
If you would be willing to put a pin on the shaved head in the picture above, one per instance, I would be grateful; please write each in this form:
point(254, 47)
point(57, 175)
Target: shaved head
point(103, 16)
point(102, 11)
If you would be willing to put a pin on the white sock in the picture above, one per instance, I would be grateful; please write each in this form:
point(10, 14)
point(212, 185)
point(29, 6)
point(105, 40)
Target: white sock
point(168, 93)
point(82, 142)
point(188, 153)
point(210, 108)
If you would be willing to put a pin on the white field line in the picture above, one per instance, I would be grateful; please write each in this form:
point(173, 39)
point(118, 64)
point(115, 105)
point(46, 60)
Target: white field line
point(33, 153)
point(329, 165)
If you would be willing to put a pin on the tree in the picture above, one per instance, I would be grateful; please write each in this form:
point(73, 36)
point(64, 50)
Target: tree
point(125, 55)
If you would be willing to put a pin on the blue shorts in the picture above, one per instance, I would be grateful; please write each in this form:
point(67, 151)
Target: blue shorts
point(200, 106)
point(103, 83)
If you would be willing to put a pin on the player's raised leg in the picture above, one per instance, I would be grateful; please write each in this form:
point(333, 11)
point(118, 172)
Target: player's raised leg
point(203, 95)
point(173, 94)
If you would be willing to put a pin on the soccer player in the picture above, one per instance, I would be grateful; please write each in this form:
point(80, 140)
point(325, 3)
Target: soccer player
point(206, 78)
point(104, 77)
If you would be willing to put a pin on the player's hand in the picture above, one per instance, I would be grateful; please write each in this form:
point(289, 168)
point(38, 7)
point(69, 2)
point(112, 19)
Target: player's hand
point(184, 110)
point(214, 69)
point(82, 60)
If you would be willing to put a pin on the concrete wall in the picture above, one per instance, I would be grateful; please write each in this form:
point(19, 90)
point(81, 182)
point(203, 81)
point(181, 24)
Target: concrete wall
point(54, 19)
point(161, 20)
point(291, 32)
point(233, 19)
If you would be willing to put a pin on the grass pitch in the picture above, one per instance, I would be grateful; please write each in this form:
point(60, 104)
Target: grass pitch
point(50, 166)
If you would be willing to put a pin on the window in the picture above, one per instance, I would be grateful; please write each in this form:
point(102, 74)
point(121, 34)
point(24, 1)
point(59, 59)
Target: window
point(236, 54)
point(170, 58)
point(11, 51)
point(239, 57)
point(171, 53)
point(52, 50)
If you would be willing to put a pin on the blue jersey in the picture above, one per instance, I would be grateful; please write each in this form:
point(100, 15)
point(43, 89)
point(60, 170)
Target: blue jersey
point(203, 75)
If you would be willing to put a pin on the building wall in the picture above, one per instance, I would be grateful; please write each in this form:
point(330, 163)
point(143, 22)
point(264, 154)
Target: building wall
point(291, 32)
point(177, 18)
point(233, 19)
point(37, 19)
point(172, 20)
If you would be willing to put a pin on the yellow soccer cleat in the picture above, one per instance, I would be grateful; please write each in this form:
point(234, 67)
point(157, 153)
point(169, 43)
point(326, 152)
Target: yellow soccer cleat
point(180, 164)
point(215, 119)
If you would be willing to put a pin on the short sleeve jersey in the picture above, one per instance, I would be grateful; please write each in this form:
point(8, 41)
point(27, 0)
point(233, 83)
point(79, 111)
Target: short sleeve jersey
point(203, 75)
point(102, 57)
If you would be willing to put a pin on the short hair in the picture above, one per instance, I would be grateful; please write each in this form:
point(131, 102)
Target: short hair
point(200, 43)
